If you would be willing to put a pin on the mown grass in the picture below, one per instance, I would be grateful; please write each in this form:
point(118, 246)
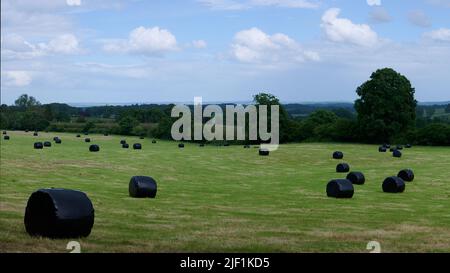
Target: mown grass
point(228, 199)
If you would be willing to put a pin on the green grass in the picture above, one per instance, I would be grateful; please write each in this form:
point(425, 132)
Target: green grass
point(228, 199)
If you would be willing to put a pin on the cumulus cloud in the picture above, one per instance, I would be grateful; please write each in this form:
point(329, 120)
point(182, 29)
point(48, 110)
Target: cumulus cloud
point(16, 47)
point(442, 34)
point(16, 78)
point(255, 46)
point(419, 18)
point(73, 2)
point(343, 30)
point(374, 2)
point(147, 41)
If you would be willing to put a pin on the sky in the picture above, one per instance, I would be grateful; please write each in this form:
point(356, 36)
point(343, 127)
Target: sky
point(136, 51)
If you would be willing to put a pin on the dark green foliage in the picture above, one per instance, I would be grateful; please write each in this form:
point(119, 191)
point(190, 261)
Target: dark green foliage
point(386, 107)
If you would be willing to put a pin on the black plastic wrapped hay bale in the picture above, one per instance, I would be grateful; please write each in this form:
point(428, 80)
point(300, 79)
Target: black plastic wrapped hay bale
point(59, 213)
point(26, 131)
point(340, 188)
point(342, 168)
point(201, 145)
point(106, 134)
point(141, 137)
point(142, 186)
point(246, 146)
point(397, 153)
point(153, 141)
point(6, 137)
point(408, 146)
point(94, 148)
point(87, 140)
point(38, 145)
point(338, 155)
point(382, 149)
point(356, 178)
point(125, 146)
point(137, 146)
point(181, 145)
point(47, 144)
point(58, 141)
point(406, 175)
point(393, 184)
point(123, 141)
point(226, 144)
point(263, 152)
point(78, 135)
point(35, 134)
point(55, 138)
point(4, 132)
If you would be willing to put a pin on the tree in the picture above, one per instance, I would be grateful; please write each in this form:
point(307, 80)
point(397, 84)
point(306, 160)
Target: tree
point(386, 107)
point(447, 108)
point(285, 123)
point(26, 101)
point(126, 124)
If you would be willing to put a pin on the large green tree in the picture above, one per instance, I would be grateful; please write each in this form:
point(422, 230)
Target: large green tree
point(26, 101)
point(386, 107)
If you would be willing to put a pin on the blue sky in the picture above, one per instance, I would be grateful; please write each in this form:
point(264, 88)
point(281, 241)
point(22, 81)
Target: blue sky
point(113, 51)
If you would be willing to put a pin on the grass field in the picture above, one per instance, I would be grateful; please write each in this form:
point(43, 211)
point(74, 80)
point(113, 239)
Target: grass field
point(228, 199)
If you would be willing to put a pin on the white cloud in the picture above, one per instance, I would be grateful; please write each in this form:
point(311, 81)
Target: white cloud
point(16, 78)
point(344, 30)
point(148, 41)
point(442, 34)
point(255, 46)
point(419, 18)
point(73, 2)
point(16, 47)
point(374, 2)
point(199, 44)
point(239, 5)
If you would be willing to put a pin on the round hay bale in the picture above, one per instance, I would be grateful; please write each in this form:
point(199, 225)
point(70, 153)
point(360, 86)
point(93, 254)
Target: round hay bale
point(397, 153)
point(87, 140)
point(180, 145)
point(342, 168)
point(382, 149)
point(408, 146)
point(201, 145)
point(153, 141)
point(141, 137)
point(94, 148)
point(47, 144)
point(26, 131)
point(393, 184)
point(137, 146)
point(38, 145)
point(58, 141)
point(123, 141)
point(356, 178)
point(142, 186)
point(35, 134)
point(4, 132)
point(125, 146)
point(106, 134)
point(338, 155)
point(78, 135)
point(6, 137)
point(59, 213)
point(340, 188)
point(246, 146)
point(263, 152)
point(226, 144)
point(406, 174)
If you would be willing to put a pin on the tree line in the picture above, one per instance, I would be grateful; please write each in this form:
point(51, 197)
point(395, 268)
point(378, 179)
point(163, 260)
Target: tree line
point(385, 112)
